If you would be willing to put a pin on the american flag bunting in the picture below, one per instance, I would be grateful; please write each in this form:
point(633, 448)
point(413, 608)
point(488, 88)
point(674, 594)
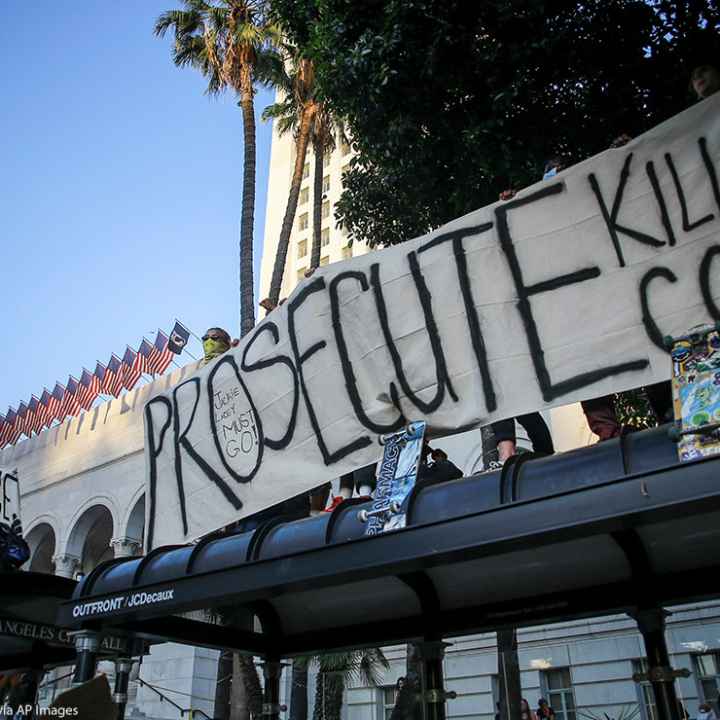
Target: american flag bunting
point(129, 373)
point(88, 390)
point(160, 356)
point(113, 383)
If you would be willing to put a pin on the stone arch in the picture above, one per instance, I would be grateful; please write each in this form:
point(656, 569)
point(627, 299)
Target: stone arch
point(90, 536)
point(134, 525)
point(42, 541)
point(109, 503)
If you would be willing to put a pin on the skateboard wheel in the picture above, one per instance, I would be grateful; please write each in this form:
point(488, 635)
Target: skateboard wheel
point(362, 516)
point(394, 507)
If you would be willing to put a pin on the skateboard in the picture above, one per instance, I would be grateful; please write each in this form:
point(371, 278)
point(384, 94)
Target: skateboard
point(397, 474)
point(696, 392)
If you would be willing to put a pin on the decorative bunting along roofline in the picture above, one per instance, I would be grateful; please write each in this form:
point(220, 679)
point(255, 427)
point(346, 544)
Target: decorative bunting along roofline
point(68, 400)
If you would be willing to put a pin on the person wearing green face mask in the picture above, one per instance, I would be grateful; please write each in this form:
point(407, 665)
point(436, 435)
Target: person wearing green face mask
point(216, 341)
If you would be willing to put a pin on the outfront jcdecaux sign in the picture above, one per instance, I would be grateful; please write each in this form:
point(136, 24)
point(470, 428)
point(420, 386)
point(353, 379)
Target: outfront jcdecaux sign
point(127, 601)
point(561, 294)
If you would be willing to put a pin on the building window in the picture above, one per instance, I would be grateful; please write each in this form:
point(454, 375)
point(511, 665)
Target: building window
point(344, 146)
point(324, 260)
point(303, 221)
point(559, 692)
point(325, 237)
point(707, 670)
point(302, 249)
point(326, 158)
point(304, 196)
point(326, 209)
point(387, 696)
point(326, 184)
point(306, 171)
point(347, 252)
point(646, 697)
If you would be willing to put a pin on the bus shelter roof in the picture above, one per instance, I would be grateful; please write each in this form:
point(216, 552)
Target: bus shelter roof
point(614, 527)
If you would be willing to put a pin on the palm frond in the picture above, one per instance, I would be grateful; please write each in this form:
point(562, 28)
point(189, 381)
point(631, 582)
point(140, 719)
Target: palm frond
point(363, 666)
point(190, 52)
point(270, 69)
point(218, 17)
point(249, 33)
point(274, 34)
point(372, 661)
point(280, 109)
point(170, 19)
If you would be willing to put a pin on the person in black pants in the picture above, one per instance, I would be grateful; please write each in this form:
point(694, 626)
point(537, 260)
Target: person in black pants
point(536, 428)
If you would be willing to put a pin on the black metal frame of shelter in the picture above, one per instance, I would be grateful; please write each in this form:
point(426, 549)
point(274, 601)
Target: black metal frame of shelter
point(609, 528)
point(29, 637)
point(31, 641)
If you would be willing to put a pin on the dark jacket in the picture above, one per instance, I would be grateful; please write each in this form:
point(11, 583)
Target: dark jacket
point(437, 472)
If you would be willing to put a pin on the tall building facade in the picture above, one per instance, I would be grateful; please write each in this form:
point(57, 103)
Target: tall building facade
point(334, 242)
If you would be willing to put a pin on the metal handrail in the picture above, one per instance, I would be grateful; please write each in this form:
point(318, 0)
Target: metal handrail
point(54, 681)
point(191, 712)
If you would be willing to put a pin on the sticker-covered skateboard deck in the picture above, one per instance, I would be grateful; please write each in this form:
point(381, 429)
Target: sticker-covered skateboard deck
point(696, 392)
point(397, 475)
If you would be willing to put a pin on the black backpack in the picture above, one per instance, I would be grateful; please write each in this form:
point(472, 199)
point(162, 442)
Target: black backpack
point(14, 551)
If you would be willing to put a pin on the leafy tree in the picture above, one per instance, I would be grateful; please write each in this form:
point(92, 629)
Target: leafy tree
point(450, 102)
point(238, 691)
point(229, 42)
point(633, 410)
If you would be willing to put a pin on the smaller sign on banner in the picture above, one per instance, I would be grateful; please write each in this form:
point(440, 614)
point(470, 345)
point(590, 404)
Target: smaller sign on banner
point(9, 500)
point(13, 549)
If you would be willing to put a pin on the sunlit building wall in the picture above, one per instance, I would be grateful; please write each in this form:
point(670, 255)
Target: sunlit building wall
point(334, 241)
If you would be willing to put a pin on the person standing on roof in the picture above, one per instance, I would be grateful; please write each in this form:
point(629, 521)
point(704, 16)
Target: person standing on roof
point(216, 341)
point(705, 80)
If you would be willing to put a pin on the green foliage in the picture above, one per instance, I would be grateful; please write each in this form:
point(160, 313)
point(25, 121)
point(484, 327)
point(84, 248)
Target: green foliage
point(633, 410)
point(449, 102)
point(223, 39)
point(336, 670)
point(231, 42)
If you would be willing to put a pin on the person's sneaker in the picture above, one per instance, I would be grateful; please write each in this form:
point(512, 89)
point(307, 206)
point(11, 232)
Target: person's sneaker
point(494, 465)
point(335, 502)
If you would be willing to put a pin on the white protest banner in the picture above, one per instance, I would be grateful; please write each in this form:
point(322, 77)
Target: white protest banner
point(561, 294)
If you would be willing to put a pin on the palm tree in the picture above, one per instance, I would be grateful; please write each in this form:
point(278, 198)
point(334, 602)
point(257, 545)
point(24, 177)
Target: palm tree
point(229, 42)
point(508, 673)
point(297, 110)
point(323, 139)
point(335, 670)
point(238, 691)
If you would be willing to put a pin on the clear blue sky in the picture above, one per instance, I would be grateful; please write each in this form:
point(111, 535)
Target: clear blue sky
point(120, 190)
